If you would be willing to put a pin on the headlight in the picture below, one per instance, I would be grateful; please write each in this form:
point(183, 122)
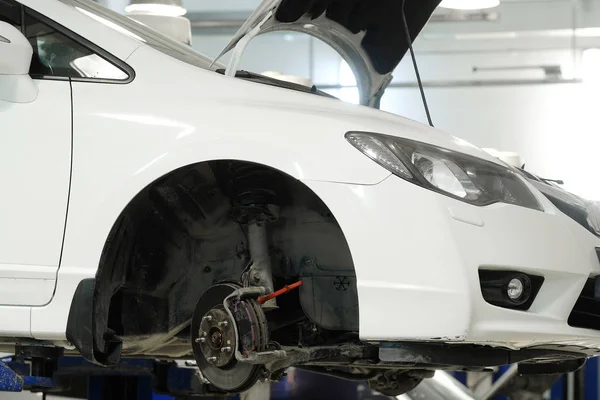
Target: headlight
point(586, 213)
point(457, 175)
point(593, 219)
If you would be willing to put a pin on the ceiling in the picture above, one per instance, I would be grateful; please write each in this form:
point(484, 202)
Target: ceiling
point(516, 25)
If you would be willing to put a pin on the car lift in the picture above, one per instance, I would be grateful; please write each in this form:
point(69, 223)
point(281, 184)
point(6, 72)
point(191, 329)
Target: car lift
point(142, 379)
point(44, 370)
point(132, 379)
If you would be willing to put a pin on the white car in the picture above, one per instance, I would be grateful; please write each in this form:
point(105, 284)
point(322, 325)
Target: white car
point(151, 200)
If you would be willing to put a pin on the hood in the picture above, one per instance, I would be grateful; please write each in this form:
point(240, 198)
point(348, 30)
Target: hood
point(368, 34)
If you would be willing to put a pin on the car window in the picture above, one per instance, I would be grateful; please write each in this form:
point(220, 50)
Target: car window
point(55, 54)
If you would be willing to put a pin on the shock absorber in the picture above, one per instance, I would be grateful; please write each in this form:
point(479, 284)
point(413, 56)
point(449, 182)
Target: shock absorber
point(254, 190)
point(260, 273)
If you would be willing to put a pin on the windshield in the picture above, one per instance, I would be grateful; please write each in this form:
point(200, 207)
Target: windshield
point(142, 33)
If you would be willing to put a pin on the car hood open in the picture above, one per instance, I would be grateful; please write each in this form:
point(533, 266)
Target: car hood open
point(368, 34)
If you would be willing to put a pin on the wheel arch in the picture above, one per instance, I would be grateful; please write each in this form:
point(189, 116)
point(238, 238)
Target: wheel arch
point(104, 345)
point(286, 171)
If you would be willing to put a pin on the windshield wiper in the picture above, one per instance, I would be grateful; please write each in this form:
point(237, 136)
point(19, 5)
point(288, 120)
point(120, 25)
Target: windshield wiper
point(251, 76)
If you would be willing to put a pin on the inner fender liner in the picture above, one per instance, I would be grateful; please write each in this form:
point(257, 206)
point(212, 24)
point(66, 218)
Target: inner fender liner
point(80, 328)
point(329, 296)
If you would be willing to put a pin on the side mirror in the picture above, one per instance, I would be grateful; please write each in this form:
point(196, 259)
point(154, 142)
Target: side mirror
point(15, 58)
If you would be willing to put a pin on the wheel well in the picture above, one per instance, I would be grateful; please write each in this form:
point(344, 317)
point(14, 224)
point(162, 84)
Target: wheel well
point(185, 232)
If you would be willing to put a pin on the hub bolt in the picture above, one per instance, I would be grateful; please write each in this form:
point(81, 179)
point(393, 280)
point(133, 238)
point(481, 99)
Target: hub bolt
point(208, 318)
point(226, 349)
point(223, 324)
point(200, 340)
point(211, 359)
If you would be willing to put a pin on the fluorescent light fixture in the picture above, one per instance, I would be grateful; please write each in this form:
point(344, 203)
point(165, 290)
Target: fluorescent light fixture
point(469, 4)
point(166, 8)
point(590, 66)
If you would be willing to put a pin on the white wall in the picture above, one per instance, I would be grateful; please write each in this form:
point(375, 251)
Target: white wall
point(213, 6)
point(117, 5)
point(555, 127)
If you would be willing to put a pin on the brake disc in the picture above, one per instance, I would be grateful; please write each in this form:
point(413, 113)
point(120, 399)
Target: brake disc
point(214, 342)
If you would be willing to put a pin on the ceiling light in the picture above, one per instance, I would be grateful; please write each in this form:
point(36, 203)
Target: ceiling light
point(167, 8)
point(469, 4)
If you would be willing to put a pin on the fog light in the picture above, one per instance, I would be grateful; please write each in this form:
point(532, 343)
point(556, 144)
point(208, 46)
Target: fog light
point(510, 289)
point(519, 289)
point(515, 289)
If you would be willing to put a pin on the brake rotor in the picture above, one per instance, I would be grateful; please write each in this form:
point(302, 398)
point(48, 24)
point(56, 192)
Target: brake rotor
point(214, 342)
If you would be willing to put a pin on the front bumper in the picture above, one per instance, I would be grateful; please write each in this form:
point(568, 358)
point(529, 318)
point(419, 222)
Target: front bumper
point(417, 255)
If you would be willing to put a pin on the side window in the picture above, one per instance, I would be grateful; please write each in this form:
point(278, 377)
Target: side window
point(55, 53)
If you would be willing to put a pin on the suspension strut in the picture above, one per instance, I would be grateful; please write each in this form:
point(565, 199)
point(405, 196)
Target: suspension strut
point(254, 191)
point(260, 272)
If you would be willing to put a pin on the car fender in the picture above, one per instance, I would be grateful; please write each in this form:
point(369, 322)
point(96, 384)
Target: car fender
point(95, 207)
point(127, 136)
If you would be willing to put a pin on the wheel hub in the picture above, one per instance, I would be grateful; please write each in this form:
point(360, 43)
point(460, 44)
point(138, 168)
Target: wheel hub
point(214, 341)
point(216, 336)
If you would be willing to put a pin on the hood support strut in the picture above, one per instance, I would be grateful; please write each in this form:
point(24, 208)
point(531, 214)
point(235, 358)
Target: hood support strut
point(367, 34)
point(240, 47)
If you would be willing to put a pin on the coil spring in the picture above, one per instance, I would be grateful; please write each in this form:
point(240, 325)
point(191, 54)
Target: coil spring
point(254, 191)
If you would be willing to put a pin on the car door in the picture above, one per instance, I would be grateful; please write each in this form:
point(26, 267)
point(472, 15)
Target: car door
point(35, 164)
point(36, 154)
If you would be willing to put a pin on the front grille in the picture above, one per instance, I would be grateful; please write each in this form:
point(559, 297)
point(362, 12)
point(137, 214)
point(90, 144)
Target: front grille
point(586, 313)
